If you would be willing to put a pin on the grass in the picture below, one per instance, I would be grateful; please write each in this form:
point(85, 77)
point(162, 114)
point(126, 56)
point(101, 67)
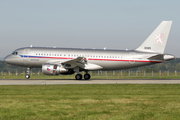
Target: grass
point(93, 101)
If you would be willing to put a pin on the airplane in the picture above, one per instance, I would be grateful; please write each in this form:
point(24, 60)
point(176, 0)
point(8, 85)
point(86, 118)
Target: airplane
point(55, 61)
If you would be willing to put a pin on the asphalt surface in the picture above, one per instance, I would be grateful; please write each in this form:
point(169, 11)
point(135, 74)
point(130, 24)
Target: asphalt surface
point(53, 82)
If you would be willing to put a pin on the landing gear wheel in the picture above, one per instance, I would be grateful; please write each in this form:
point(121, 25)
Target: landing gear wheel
point(78, 77)
point(87, 76)
point(27, 76)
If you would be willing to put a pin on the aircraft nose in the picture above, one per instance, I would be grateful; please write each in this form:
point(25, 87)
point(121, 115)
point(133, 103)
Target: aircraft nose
point(7, 59)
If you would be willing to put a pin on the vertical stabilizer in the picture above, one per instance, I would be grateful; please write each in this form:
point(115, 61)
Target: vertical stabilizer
point(156, 42)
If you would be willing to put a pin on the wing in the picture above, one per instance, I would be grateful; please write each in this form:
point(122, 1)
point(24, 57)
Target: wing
point(77, 62)
point(80, 62)
point(70, 63)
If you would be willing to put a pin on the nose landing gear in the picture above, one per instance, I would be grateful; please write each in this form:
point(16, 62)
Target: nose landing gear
point(27, 75)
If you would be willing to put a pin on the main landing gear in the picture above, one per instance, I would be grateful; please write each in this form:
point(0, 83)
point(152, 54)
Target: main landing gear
point(86, 76)
point(27, 75)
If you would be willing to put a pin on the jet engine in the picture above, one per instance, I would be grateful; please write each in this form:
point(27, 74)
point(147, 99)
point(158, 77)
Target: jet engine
point(53, 69)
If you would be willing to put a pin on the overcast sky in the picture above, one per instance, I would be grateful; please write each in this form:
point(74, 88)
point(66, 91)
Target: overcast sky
point(113, 24)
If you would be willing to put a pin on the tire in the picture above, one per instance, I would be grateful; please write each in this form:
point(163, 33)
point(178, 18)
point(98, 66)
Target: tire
point(78, 77)
point(27, 76)
point(87, 76)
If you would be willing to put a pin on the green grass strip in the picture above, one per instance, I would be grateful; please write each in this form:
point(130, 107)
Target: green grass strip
point(93, 101)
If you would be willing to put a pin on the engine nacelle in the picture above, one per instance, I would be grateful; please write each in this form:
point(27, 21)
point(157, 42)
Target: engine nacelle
point(53, 69)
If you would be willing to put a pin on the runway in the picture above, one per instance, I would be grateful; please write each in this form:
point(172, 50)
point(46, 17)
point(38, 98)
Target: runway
point(55, 82)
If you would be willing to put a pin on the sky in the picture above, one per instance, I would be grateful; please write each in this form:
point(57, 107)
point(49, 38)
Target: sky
point(114, 24)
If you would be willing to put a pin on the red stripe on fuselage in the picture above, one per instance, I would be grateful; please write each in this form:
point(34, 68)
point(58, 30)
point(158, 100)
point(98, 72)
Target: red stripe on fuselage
point(125, 60)
point(102, 59)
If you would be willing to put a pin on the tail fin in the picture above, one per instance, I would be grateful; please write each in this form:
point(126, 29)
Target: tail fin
point(156, 42)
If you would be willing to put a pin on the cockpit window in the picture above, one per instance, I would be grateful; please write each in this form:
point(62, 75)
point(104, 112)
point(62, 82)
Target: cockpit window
point(15, 53)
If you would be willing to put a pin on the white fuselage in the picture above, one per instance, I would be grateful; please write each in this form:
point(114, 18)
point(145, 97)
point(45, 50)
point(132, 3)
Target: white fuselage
point(96, 59)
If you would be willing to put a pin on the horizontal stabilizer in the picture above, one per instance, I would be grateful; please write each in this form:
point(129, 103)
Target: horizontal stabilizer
point(157, 57)
point(165, 57)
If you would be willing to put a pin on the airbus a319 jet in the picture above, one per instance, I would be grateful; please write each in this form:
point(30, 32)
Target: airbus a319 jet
point(55, 61)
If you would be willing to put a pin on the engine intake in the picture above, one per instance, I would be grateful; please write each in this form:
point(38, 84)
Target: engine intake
point(53, 69)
